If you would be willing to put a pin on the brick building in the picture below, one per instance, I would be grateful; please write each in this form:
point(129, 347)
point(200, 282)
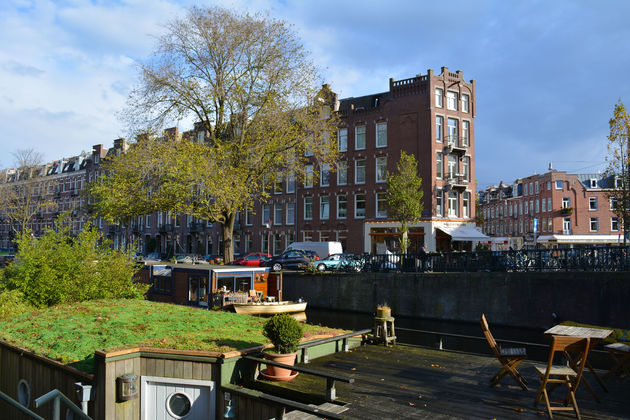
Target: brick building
point(567, 209)
point(430, 116)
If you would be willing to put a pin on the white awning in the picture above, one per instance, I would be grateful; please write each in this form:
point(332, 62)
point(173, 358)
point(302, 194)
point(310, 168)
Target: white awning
point(464, 233)
point(581, 239)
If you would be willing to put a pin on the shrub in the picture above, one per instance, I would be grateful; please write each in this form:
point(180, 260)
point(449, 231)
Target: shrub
point(284, 332)
point(12, 304)
point(59, 268)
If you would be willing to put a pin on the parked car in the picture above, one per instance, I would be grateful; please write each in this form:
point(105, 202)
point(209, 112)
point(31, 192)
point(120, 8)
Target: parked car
point(254, 259)
point(322, 249)
point(336, 262)
point(155, 256)
point(291, 259)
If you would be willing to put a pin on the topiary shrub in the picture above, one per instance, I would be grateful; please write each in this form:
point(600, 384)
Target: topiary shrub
point(284, 332)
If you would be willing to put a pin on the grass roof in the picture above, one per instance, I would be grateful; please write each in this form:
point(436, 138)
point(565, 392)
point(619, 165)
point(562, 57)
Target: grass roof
point(71, 333)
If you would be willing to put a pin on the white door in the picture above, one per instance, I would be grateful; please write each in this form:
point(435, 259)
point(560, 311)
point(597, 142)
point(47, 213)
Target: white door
point(173, 398)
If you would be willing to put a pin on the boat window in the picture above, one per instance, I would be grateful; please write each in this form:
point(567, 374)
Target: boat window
point(243, 284)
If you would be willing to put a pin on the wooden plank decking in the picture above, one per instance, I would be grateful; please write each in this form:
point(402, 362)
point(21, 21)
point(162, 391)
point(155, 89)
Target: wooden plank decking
point(407, 382)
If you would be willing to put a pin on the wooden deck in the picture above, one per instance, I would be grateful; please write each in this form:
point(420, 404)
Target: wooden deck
point(405, 382)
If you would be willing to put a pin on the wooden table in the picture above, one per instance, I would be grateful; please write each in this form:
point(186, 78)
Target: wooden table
point(596, 335)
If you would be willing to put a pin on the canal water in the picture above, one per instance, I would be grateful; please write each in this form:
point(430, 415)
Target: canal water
point(537, 350)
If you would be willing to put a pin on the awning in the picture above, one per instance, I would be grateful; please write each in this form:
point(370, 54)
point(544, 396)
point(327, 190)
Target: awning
point(464, 233)
point(581, 239)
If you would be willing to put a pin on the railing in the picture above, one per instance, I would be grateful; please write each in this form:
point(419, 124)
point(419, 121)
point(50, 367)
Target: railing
point(56, 397)
point(605, 258)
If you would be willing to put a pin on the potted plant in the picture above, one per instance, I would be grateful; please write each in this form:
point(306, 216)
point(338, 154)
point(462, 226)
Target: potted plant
point(285, 333)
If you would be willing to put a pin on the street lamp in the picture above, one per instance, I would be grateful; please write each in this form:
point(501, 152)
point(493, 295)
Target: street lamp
point(268, 226)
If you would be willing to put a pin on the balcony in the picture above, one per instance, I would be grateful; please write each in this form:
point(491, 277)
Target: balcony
point(195, 227)
point(456, 182)
point(165, 228)
point(566, 211)
point(454, 144)
point(136, 228)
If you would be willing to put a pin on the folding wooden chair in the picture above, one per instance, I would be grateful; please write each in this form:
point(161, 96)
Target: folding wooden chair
point(623, 362)
point(564, 374)
point(509, 358)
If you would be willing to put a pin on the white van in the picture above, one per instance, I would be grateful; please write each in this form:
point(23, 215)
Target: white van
point(322, 249)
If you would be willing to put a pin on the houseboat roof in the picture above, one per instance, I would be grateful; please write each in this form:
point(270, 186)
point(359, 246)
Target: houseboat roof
point(71, 333)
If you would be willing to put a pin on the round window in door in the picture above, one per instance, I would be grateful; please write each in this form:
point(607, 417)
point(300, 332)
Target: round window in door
point(178, 405)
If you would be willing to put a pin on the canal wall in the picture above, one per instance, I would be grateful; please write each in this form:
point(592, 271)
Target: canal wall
point(515, 299)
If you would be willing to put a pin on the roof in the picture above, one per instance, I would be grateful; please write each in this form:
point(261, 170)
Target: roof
point(582, 239)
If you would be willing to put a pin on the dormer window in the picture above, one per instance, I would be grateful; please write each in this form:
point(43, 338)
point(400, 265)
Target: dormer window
point(593, 183)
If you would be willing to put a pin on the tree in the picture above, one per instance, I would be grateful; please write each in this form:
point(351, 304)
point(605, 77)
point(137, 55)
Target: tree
point(251, 87)
point(404, 195)
point(618, 169)
point(58, 268)
point(24, 192)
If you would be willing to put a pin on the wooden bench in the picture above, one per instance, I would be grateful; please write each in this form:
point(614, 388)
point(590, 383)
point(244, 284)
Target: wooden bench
point(331, 394)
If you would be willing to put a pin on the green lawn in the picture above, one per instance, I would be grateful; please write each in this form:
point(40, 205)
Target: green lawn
point(71, 333)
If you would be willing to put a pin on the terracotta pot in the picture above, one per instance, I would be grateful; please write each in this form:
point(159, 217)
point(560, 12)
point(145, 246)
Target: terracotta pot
point(383, 312)
point(287, 359)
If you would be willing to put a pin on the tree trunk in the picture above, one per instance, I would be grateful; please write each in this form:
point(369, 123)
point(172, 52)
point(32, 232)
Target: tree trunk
point(228, 231)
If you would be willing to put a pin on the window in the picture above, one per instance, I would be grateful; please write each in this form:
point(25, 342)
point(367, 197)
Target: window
point(277, 183)
point(290, 213)
point(147, 221)
point(277, 214)
point(342, 140)
point(525, 188)
point(381, 169)
point(324, 175)
point(465, 103)
point(439, 128)
point(381, 205)
point(359, 171)
point(324, 207)
point(381, 134)
point(439, 95)
point(548, 185)
point(438, 203)
point(249, 217)
point(544, 205)
point(593, 224)
point(308, 177)
point(452, 204)
point(566, 226)
point(526, 207)
point(266, 213)
point(308, 208)
point(359, 206)
point(451, 100)
point(549, 208)
point(558, 185)
point(438, 164)
point(614, 224)
point(593, 183)
point(452, 165)
point(592, 203)
point(465, 133)
point(537, 206)
point(614, 203)
point(550, 225)
point(452, 131)
point(290, 183)
point(359, 137)
point(342, 206)
point(466, 167)
point(466, 204)
point(537, 187)
point(566, 202)
point(342, 173)
point(249, 242)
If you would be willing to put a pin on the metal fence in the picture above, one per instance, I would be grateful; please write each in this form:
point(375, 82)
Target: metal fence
point(607, 258)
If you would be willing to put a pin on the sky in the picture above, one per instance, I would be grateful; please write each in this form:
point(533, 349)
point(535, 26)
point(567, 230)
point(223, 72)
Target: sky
point(548, 73)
